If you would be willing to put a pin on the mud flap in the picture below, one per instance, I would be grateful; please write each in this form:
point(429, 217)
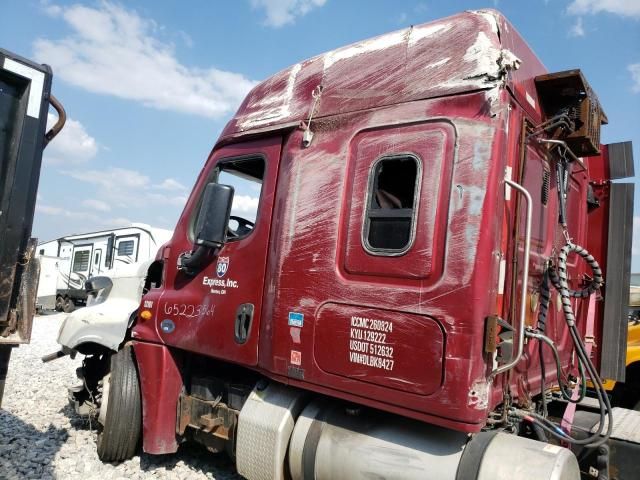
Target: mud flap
point(17, 329)
point(619, 243)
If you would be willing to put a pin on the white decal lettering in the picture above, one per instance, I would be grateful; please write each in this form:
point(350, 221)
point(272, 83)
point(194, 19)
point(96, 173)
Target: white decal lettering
point(367, 343)
point(219, 282)
point(187, 310)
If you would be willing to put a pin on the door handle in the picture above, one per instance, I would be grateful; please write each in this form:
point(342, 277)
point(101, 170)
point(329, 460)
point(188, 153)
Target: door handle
point(244, 317)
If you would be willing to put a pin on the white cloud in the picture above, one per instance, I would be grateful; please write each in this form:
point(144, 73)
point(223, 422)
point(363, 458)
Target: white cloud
point(50, 9)
point(118, 222)
point(245, 206)
point(577, 29)
point(73, 145)
point(111, 178)
point(114, 51)
point(175, 200)
point(49, 209)
point(625, 8)
point(421, 8)
point(82, 220)
point(98, 205)
point(186, 38)
point(67, 213)
point(634, 68)
point(282, 12)
point(126, 188)
point(170, 184)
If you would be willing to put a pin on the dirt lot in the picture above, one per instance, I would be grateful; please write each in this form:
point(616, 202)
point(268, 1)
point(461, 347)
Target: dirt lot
point(41, 437)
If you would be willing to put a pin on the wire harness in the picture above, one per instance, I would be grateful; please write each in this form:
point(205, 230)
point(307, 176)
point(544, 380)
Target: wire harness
point(558, 278)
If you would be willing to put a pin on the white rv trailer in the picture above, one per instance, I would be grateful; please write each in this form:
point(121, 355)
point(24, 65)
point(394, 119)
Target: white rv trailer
point(69, 261)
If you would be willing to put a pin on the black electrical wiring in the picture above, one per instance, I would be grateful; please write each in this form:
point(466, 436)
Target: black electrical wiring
point(558, 277)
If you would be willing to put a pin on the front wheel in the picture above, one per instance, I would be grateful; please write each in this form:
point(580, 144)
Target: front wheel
point(69, 306)
point(59, 304)
point(120, 414)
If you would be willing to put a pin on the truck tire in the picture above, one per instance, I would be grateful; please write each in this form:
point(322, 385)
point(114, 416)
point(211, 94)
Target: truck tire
point(59, 304)
point(120, 422)
point(69, 306)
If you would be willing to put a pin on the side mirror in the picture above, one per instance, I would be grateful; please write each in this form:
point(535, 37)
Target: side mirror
point(211, 225)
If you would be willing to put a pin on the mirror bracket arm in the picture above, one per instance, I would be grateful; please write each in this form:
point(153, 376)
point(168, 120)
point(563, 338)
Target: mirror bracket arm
point(190, 263)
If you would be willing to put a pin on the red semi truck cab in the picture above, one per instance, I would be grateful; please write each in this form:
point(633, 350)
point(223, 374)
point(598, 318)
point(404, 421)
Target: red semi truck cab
point(356, 281)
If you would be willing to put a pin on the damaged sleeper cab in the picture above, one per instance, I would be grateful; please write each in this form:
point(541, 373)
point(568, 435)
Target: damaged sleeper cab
point(381, 313)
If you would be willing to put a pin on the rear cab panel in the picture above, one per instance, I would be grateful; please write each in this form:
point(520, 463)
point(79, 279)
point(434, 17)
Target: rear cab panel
point(401, 329)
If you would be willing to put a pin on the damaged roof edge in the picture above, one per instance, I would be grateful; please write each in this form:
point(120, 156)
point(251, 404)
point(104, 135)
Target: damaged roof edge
point(457, 54)
point(492, 17)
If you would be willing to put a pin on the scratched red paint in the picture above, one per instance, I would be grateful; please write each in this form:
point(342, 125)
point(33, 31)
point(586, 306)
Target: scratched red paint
point(446, 92)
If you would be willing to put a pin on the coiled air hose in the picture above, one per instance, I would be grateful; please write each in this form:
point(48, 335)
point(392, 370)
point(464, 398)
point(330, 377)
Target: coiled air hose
point(558, 277)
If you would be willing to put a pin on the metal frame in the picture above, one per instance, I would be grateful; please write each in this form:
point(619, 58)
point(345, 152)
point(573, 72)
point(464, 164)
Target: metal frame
point(565, 146)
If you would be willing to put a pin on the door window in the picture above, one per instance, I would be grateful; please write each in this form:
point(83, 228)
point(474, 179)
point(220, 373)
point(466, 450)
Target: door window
point(245, 176)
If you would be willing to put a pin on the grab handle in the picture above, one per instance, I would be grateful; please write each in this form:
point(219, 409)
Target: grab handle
point(525, 275)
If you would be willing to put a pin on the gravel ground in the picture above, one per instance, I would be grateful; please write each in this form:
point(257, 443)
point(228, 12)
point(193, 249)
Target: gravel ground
point(41, 437)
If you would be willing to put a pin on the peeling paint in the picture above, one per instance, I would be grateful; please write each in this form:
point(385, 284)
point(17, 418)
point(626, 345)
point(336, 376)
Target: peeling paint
point(493, 100)
point(485, 54)
point(424, 31)
point(275, 106)
point(378, 43)
point(436, 59)
point(480, 155)
point(508, 60)
point(490, 17)
point(475, 197)
point(471, 234)
point(438, 63)
point(479, 394)
point(295, 334)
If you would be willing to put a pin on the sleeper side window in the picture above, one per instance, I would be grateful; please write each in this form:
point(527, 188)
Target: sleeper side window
point(390, 214)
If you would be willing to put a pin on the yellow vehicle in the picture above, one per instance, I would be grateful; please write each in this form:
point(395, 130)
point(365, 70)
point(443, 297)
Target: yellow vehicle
point(627, 394)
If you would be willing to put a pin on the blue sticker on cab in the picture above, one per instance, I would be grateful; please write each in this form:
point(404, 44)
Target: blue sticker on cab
point(296, 319)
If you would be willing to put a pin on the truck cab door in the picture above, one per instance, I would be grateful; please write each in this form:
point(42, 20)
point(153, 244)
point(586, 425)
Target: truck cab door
point(218, 311)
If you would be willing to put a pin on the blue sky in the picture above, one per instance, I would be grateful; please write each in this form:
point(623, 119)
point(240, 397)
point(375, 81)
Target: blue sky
point(149, 85)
